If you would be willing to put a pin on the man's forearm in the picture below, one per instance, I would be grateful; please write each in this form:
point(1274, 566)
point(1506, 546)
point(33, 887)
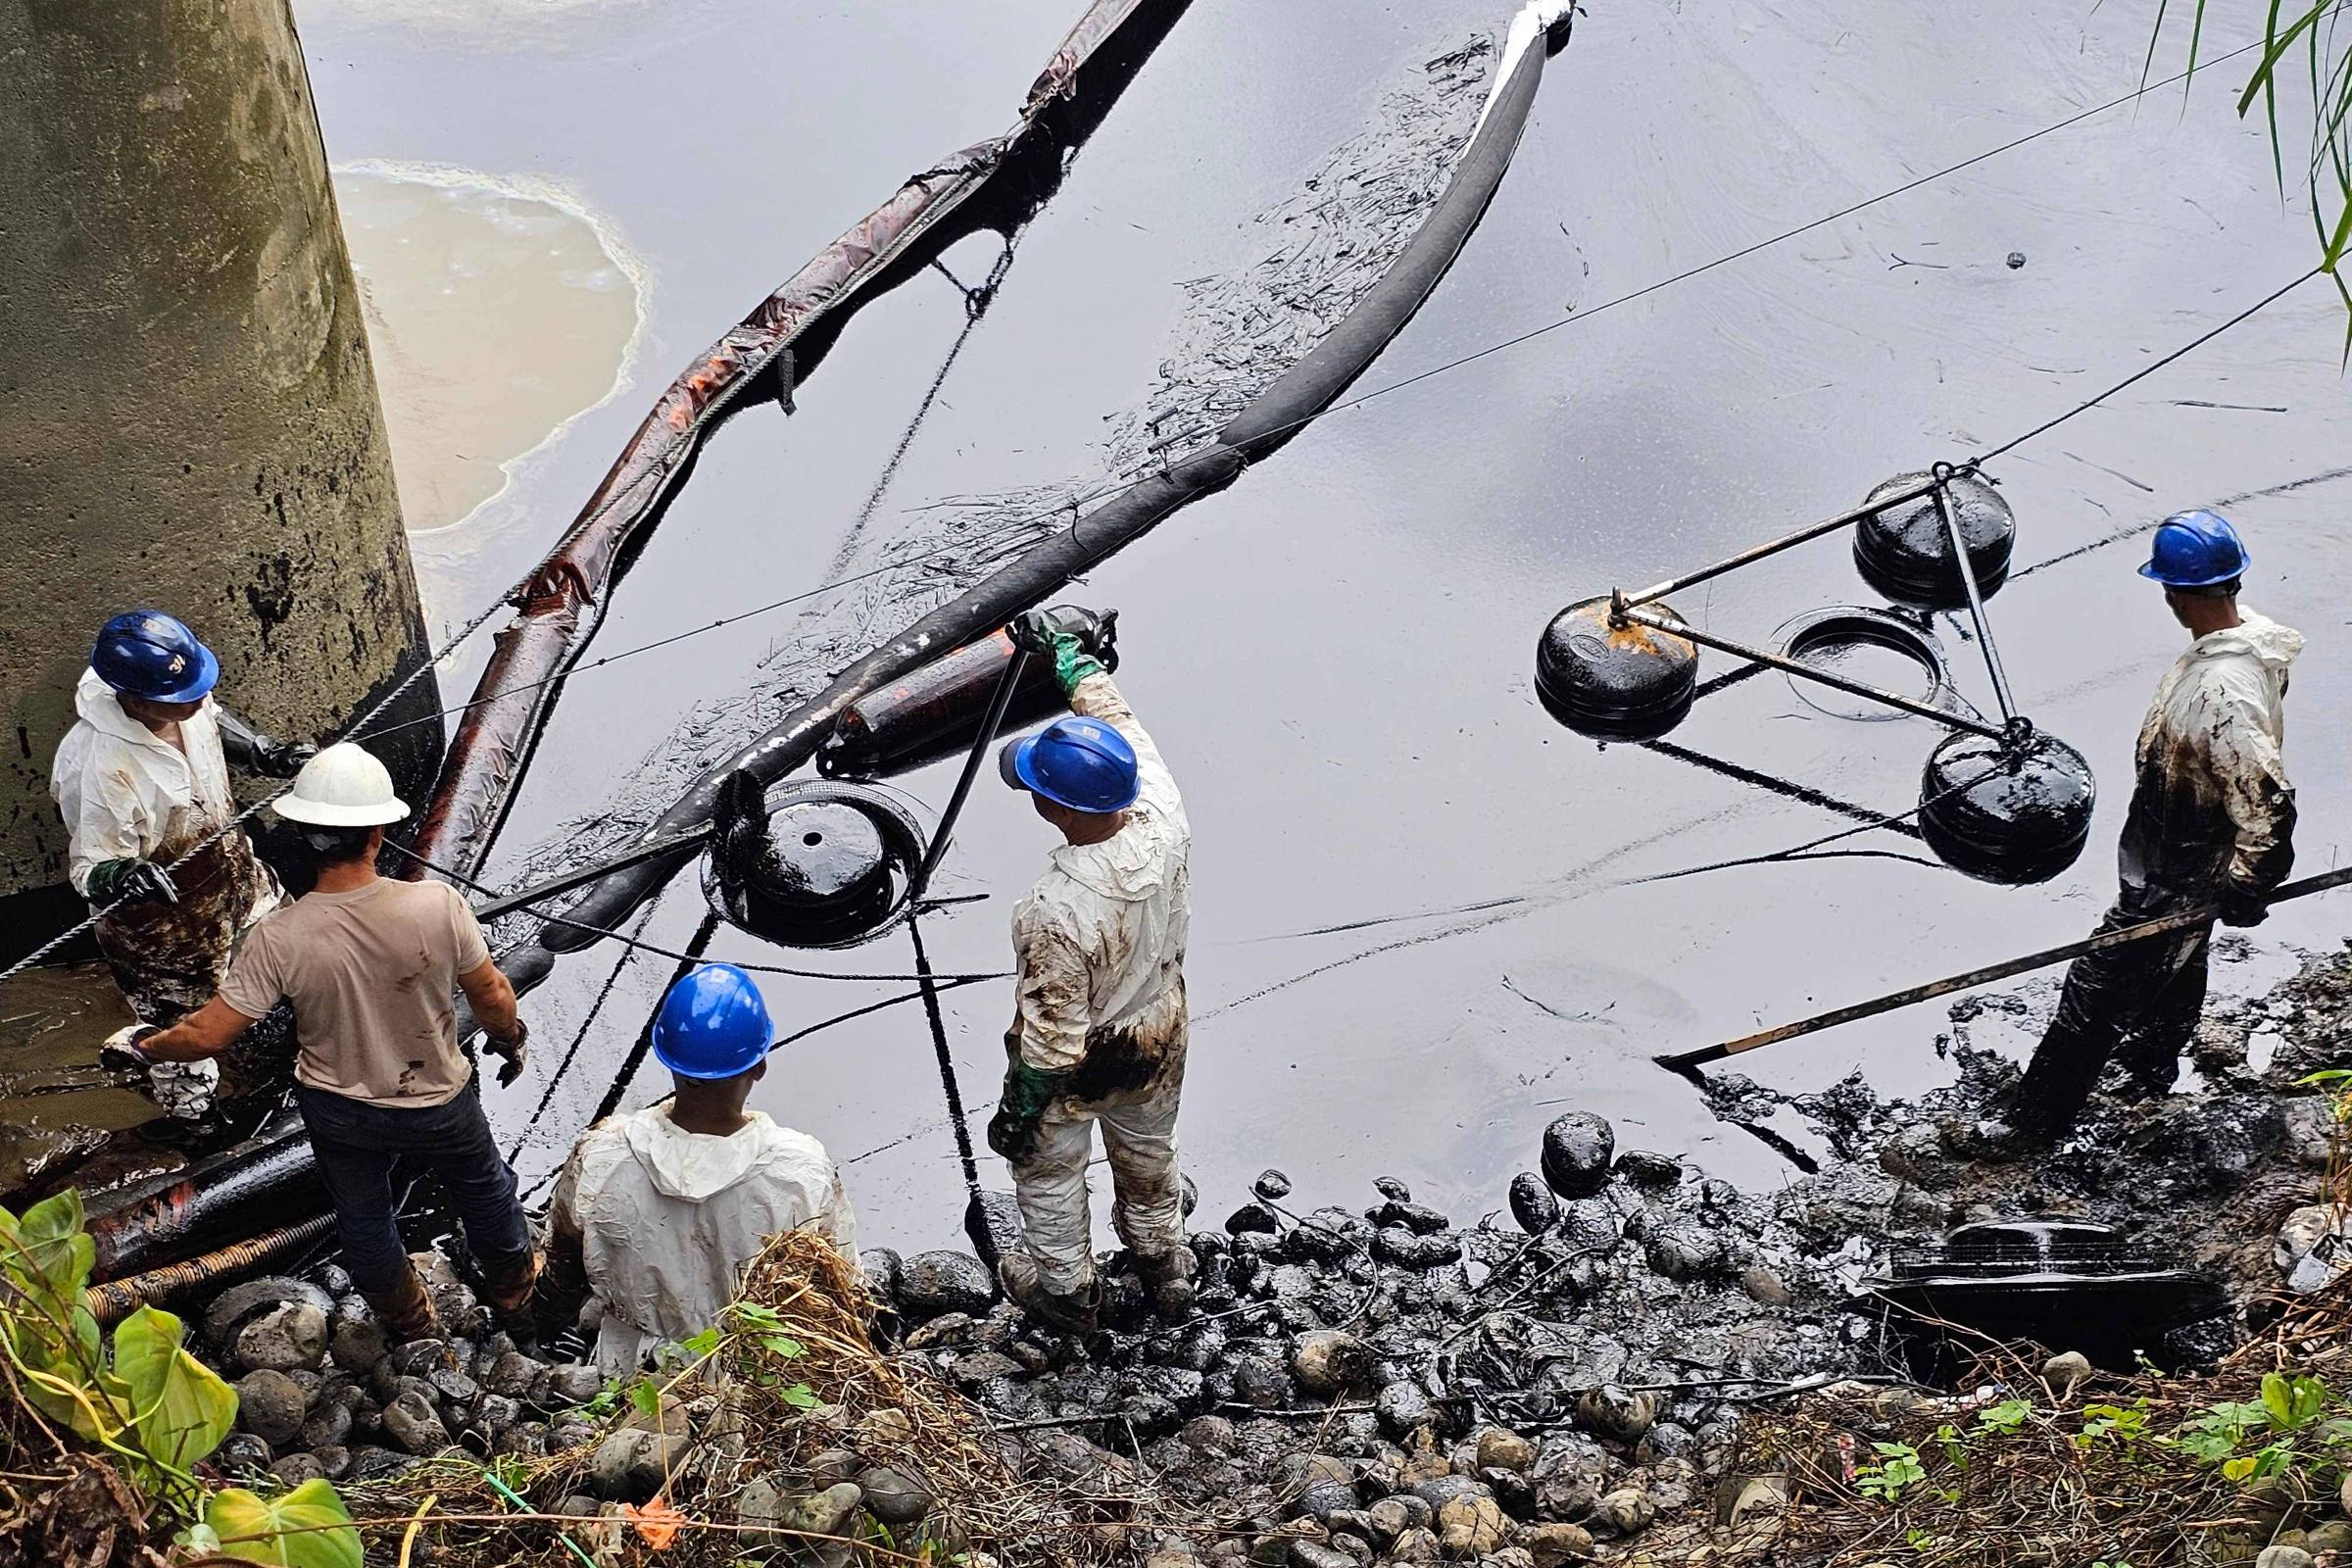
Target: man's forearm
point(202, 1034)
point(492, 999)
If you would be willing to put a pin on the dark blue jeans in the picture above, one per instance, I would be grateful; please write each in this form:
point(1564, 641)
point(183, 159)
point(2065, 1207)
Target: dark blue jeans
point(357, 1143)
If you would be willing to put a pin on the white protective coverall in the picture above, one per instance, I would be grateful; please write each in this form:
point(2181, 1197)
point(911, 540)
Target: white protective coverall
point(126, 792)
point(1099, 942)
point(2211, 811)
point(666, 1219)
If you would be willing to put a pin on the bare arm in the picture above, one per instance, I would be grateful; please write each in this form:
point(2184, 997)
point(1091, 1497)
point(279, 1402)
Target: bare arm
point(205, 1032)
point(491, 995)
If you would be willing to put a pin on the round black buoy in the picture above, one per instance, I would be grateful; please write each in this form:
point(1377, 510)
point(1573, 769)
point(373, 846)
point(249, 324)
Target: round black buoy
point(2003, 812)
point(826, 864)
point(1614, 682)
point(1905, 552)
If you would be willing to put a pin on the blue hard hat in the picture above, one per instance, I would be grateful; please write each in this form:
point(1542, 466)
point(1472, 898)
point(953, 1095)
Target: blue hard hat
point(713, 1024)
point(2195, 550)
point(149, 653)
point(1082, 764)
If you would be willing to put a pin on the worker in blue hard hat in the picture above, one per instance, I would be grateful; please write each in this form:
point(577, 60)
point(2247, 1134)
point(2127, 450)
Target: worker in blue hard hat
point(141, 780)
point(2211, 826)
point(657, 1210)
point(1101, 1030)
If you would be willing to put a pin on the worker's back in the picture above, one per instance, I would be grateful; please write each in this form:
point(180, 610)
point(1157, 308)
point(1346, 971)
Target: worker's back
point(666, 1219)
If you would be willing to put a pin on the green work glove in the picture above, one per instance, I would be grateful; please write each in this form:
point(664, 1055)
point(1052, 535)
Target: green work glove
point(1034, 631)
point(1013, 1130)
point(130, 881)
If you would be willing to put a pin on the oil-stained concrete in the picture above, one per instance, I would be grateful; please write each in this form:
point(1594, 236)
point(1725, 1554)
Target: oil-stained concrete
point(190, 412)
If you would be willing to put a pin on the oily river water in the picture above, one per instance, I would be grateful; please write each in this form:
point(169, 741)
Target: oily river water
point(1411, 944)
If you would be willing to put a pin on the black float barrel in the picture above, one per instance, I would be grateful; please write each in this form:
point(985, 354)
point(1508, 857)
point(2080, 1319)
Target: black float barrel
point(1614, 682)
point(826, 864)
point(1905, 550)
point(2006, 813)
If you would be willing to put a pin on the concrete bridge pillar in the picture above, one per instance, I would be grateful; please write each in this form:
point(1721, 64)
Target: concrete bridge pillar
point(188, 414)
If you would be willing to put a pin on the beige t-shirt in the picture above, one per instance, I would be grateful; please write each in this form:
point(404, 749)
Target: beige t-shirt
point(372, 974)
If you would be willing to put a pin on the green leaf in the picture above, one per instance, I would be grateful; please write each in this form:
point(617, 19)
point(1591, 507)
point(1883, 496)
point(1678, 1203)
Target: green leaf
point(700, 1345)
point(48, 1255)
point(646, 1396)
point(306, 1528)
point(2239, 1468)
point(783, 1344)
point(762, 1319)
point(181, 1409)
point(800, 1397)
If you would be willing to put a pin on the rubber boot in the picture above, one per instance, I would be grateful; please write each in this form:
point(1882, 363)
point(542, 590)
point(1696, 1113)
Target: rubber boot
point(405, 1312)
point(1169, 1276)
point(1076, 1312)
point(510, 1287)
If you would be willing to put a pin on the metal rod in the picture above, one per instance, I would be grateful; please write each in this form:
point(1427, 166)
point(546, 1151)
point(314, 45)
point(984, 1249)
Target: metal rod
point(1762, 655)
point(522, 898)
point(1976, 595)
point(975, 1208)
point(996, 704)
point(1685, 1062)
point(1785, 542)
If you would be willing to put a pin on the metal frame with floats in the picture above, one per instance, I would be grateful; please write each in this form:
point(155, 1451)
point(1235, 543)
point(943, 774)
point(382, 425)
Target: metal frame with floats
point(1610, 668)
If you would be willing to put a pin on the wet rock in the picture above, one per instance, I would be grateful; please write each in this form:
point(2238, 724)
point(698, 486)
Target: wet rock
point(1624, 1512)
point(1440, 1489)
point(1502, 1450)
point(272, 1406)
point(892, 1497)
point(1645, 1168)
point(1305, 1553)
point(2063, 1374)
point(1262, 1382)
point(296, 1468)
point(510, 1375)
point(354, 1338)
point(454, 1387)
point(412, 1422)
point(1533, 1205)
point(881, 1267)
point(287, 1336)
point(240, 1305)
point(328, 1428)
point(1616, 1415)
point(573, 1384)
point(1252, 1219)
point(1577, 1149)
point(1328, 1364)
point(632, 1465)
point(1668, 1440)
point(1471, 1526)
point(1570, 1478)
point(1419, 1218)
point(1406, 1249)
point(934, 1283)
point(949, 1328)
point(1271, 1185)
point(2017, 259)
point(1684, 1252)
point(1764, 1286)
point(781, 1519)
point(243, 1453)
point(335, 1461)
point(2284, 1557)
point(1553, 1543)
point(1415, 1546)
point(373, 1464)
point(1321, 1499)
point(1211, 1434)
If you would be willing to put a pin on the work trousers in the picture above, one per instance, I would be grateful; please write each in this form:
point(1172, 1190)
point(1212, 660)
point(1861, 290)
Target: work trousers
point(357, 1143)
point(1139, 1134)
point(2143, 997)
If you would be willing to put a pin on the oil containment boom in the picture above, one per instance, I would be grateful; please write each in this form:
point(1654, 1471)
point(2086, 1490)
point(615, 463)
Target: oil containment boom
point(1261, 427)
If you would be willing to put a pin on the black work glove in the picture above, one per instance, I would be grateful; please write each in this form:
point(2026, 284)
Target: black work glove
point(2243, 906)
point(1013, 1130)
point(131, 882)
point(511, 1051)
point(258, 752)
point(1033, 631)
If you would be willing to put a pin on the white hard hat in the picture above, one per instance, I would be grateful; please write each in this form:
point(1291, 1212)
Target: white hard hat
point(342, 787)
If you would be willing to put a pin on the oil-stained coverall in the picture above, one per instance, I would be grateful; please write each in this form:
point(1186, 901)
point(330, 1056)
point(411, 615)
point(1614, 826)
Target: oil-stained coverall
point(664, 1220)
point(128, 794)
point(1099, 943)
point(2212, 821)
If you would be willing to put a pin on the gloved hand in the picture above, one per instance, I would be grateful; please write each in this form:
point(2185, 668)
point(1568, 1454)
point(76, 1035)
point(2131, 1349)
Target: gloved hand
point(131, 882)
point(2243, 906)
point(1035, 631)
point(257, 752)
point(1013, 1130)
point(511, 1051)
point(121, 1050)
